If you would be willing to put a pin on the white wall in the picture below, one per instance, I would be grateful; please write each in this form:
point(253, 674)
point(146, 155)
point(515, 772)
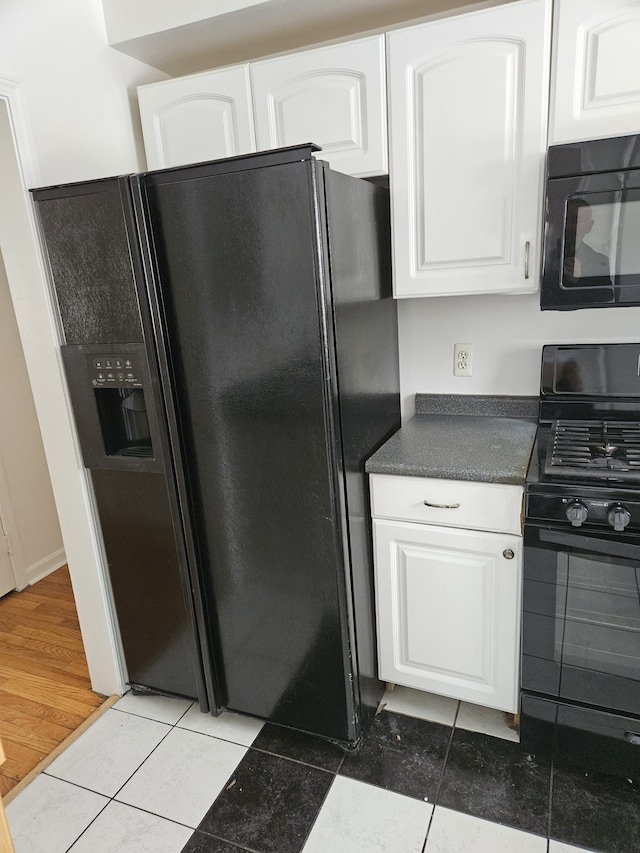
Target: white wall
point(80, 92)
point(187, 36)
point(71, 118)
point(507, 333)
point(37, 548)
point(126, 20)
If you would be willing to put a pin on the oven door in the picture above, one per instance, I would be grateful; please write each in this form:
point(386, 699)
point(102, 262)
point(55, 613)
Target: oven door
point(591, 252)
point(581, 618)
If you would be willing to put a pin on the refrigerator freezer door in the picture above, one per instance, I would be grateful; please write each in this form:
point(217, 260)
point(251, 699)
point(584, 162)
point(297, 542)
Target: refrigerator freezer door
point(96, 269)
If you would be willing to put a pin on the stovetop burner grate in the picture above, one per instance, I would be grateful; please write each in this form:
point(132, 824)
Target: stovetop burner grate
point(595, 449)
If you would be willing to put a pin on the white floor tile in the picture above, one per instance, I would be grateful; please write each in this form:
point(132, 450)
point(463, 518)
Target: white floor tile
point(475, 718)
point(228, 726)
point(106, 755)
point(454, 832)
point(49, 815)
point(121, 828)
point(183, 776)
point(417, 703)
point(359, 818)
point(164, 709)
point(559, 847)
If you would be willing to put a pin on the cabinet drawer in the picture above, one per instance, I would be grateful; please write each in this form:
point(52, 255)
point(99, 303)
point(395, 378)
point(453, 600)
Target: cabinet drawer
point(453, 503)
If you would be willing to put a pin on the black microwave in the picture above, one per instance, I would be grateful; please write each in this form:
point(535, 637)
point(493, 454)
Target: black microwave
point(591, 255)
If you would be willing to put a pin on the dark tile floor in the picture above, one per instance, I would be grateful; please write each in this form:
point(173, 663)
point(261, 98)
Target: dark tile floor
point(273, 799)
point(494, 779)
point(595, 810)
point(154, 775)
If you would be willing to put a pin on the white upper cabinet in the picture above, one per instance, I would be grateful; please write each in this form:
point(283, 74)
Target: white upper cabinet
point(467, 113)
point(334, 96)
point(596, 83)
point(197, 118)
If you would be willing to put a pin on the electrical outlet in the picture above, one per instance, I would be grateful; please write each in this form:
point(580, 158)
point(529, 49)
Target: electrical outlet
point(462, 359)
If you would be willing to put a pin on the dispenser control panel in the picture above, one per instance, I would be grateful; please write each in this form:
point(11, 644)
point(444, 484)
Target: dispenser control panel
point(114, 371)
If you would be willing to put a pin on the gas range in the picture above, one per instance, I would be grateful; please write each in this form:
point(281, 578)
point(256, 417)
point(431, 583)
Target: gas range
point(585, 465)
point(598, 449)
point(578, 499)
point(581, 570)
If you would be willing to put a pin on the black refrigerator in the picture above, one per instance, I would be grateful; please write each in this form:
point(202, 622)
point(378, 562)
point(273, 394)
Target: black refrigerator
point(230, 348)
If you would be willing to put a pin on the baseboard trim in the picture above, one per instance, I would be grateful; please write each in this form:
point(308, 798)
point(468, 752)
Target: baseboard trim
point(37, 571)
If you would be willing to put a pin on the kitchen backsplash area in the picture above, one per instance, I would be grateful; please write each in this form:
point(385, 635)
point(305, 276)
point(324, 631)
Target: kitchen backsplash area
point(507, 333)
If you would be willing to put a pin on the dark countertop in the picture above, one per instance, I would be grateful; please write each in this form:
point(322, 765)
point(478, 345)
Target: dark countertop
point(462, 437)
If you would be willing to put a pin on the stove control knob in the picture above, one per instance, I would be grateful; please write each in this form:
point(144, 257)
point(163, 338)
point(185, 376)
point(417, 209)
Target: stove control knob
point(577, 513)
point(618, 518)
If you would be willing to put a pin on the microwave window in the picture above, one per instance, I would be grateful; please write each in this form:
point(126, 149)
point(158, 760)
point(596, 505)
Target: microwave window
point(601, 239)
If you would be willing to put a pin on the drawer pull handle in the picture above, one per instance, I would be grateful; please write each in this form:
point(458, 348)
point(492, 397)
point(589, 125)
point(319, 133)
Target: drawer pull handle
point(442, 506)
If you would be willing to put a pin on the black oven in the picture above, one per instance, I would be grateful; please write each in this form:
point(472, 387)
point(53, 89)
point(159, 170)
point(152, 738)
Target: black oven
point(581, 647)
point(591, 246)
point(580, 672)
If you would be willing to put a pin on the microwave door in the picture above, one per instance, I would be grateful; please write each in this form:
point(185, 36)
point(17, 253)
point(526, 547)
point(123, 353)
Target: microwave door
point(592, 254)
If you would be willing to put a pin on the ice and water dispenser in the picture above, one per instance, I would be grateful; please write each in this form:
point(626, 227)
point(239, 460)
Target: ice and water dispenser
point(122, 410)
point(113, 404)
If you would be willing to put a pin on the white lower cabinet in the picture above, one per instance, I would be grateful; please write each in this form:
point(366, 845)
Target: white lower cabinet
point(448, 610)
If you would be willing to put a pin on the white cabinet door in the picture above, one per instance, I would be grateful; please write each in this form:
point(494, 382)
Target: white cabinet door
point(467, 112)
point(334, 96)
point(448, 611)
point(197, 118)
point(596, 80)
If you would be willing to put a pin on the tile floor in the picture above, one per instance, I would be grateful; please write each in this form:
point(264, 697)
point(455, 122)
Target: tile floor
point(433, 776)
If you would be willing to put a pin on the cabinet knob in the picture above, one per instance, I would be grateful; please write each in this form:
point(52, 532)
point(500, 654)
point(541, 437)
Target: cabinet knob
point(508, 554)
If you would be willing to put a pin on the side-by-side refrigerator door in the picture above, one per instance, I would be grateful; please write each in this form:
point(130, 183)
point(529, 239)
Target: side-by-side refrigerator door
point(115, 396)
point(242, 309)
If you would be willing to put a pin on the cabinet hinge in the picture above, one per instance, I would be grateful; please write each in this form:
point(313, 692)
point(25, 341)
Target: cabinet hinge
point(7, 544)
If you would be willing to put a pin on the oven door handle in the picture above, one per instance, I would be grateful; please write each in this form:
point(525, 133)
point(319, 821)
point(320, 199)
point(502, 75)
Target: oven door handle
point(589, 543)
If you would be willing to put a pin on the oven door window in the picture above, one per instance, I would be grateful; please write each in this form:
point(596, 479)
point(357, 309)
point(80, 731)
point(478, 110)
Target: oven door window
point(582, 618)
point(600, 239)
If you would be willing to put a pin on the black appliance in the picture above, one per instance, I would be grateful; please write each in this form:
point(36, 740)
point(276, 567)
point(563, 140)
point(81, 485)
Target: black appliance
point(231, 356)
point(581, 593)
point(591, 247)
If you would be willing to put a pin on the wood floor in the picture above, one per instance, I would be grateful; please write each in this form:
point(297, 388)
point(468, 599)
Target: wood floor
point(45, 692)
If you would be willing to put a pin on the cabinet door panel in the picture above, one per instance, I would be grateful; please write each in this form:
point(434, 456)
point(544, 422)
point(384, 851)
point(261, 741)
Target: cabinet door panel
point(197, 118)
point(440, 633)
point(448, 611)
point(596, 70)
point(479, 193)
point(333, 96)
point(468, 135)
